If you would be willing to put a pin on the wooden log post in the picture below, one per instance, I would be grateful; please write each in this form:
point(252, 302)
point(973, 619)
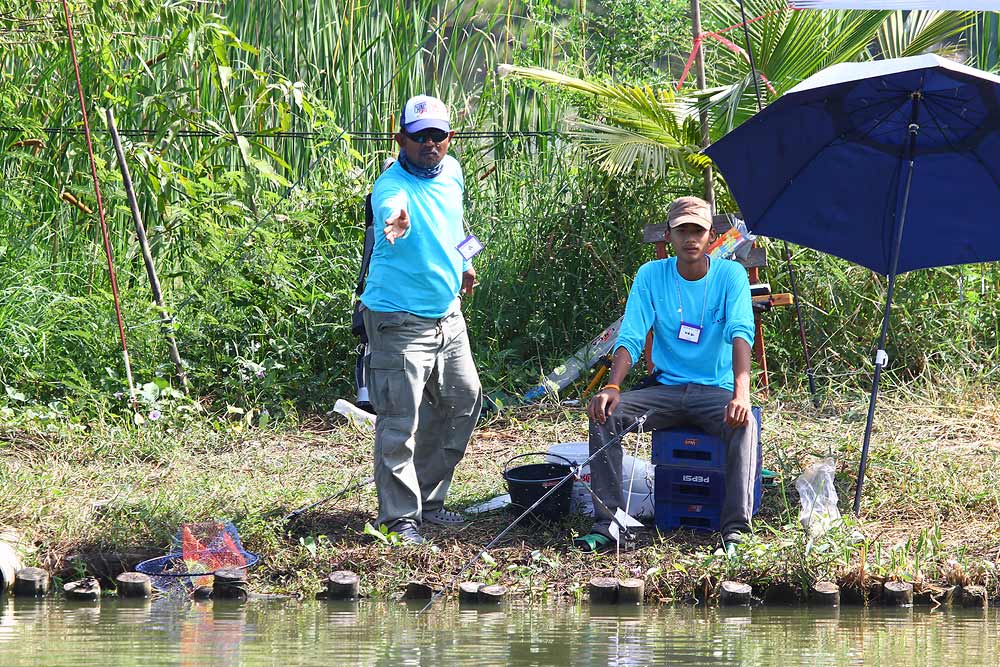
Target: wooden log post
point(974, 597)
point(418, 590)
point(898, 593)
point(230, 583)
point(826, 593)
point(631, 591)
point(31, 582)
point(343, 585)
point(202, 593)
point(781, 592)
point(87, 589)
point(134, 585)
point(468, 592)
point(493, 594)
point(734, 594)
point(604, 590)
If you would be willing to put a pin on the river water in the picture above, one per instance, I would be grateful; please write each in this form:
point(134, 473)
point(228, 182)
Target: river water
point(55, 633)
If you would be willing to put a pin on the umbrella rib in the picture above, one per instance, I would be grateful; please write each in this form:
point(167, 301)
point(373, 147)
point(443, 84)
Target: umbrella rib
point(857, 134)
point(842, 138)
point(948, 110)
point(972, 151)
point(890, 101)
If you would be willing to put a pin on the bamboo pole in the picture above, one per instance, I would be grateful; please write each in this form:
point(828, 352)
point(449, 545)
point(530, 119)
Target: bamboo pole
point(699, 71)
point(147, 256)
point(100, 209)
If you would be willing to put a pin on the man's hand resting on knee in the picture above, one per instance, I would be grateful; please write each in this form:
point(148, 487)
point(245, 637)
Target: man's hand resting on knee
point(737, 411)
point(603, 404)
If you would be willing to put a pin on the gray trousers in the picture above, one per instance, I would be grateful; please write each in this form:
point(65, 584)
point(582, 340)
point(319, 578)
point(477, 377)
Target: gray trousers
point(671, 406)
point(424, 385)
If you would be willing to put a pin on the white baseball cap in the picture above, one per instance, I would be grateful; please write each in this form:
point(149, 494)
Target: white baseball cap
point(424, 111)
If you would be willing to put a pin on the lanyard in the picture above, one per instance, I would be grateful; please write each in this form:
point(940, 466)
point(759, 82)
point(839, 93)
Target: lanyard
point(704, 299)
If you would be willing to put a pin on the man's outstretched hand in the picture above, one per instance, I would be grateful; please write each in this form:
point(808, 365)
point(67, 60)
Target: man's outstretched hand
point(396, 226)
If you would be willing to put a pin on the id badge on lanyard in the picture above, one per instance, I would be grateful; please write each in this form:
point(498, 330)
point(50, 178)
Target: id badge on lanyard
point(690, 333)
point(469, 247)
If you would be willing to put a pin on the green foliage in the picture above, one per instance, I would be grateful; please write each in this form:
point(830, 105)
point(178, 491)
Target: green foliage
point(383, 535)
point(259, 276)
point(640, 41)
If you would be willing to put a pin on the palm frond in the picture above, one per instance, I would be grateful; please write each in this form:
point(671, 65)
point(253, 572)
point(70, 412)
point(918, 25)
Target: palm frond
point(638, 128)
point(920, 31)
point(984, 42)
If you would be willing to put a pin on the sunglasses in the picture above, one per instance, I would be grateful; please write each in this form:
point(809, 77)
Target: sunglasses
point(421, 137)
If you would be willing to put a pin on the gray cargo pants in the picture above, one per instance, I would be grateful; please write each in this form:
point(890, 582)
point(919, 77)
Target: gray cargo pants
point(424, 385)
point(669, 406)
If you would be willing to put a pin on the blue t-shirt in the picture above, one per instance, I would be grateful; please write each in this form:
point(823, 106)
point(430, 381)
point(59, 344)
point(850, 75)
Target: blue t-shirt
point(422, 272)
point(719, 302)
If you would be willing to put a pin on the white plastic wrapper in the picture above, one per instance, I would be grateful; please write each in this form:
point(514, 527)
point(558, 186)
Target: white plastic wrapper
point(818, 497)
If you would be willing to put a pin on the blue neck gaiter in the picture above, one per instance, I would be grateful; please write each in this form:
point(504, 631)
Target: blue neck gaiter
point(419, 172)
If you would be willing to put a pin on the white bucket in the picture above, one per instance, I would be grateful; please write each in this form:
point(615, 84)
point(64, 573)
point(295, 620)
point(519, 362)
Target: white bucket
point(581, 502)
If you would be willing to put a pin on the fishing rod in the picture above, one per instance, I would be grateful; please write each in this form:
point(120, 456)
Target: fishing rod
point(574, 472)
point(343, 492)
point(289, 134)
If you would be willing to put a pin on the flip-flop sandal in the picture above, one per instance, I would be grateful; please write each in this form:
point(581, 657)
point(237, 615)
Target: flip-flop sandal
point(593, 543)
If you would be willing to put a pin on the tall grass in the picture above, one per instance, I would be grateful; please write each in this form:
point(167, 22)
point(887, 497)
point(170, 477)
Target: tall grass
point(265, 323)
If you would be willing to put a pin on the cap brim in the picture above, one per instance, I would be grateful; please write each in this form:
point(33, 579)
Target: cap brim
point(690, 219)
point(427, 123)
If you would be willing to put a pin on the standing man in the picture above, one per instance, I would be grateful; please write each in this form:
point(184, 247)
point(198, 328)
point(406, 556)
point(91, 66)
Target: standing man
point(422, 379)
point(700, 311)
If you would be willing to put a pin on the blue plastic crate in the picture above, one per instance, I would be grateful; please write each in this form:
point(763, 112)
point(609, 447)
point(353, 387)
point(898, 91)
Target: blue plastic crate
point(694, 516)
point(682, 485)
point(690, 446)
point(677, 484)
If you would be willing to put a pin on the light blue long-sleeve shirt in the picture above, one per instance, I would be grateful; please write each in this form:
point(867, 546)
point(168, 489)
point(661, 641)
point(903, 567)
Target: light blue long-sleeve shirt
point(719, 302)
point(421, 273)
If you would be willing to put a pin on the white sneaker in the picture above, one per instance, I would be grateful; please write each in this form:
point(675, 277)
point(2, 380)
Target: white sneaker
point(443, 517)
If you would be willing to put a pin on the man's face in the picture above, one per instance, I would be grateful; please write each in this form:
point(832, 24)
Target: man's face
point(690, 241)
point(425, 148)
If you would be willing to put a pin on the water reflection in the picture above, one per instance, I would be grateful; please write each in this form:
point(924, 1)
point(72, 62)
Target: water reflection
point(222, 634)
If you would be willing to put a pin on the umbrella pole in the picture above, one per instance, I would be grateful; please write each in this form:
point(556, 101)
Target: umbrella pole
point(881, 358)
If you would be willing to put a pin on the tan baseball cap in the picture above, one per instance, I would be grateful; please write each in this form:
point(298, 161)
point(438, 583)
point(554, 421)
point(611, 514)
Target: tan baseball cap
point(694, 210)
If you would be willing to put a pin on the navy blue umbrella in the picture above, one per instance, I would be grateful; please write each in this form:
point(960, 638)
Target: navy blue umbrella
point(891, 164)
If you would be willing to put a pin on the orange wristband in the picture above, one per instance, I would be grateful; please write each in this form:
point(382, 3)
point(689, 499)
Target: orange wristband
point(612, 386)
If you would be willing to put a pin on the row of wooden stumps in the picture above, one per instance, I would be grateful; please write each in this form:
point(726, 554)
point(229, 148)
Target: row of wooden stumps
point(230, 583)
point(345, 585)
point(611, 590)
point(827, 593)
point(36, 582)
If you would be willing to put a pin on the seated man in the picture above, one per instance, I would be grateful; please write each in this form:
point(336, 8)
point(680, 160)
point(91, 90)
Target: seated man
point(700, 311)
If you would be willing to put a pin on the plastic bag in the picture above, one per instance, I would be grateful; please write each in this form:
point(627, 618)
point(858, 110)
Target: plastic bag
point(818, 497)
point(734, 242)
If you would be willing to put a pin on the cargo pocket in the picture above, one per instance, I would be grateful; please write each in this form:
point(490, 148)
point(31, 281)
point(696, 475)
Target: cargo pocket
point(389, 389)
point(392, 320)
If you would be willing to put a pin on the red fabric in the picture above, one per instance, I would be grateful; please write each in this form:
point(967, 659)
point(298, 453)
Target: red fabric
point(717, 35)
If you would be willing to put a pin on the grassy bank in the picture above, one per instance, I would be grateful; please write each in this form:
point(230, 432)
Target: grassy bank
point(101, 498)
